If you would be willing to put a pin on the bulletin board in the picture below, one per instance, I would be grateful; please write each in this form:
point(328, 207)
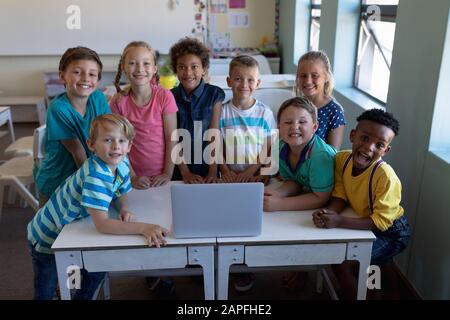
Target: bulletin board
point(49, 27)
point(242, 23)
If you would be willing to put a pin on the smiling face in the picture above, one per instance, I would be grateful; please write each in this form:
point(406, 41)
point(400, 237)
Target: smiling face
point(110, 145)
point(296, 126)
point(243, 81)
point(139, 66)
point(311, 78)
point(370, 141)
point(80, 78)
point(190, 72)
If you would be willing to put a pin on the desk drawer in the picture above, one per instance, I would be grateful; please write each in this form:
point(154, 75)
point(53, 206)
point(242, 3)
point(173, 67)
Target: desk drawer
point(135, 259)
point(295, 254)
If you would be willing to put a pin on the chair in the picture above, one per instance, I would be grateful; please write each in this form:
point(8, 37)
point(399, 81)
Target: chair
point(264, 66)
point(25, 145)
point(20, 148)
point(39, 144)
point(6, 118)
point(273, 98)
point(17, 173)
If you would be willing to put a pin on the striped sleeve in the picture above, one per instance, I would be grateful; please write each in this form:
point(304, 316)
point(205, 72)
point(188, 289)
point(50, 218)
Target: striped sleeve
point(97, 193)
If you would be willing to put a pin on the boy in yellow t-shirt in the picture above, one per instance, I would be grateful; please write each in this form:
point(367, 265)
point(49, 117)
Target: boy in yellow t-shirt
point(371, 187)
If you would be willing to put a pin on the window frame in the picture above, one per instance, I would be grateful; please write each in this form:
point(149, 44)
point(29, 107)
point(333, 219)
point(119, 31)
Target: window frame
point(388, 13)
point(312, 6)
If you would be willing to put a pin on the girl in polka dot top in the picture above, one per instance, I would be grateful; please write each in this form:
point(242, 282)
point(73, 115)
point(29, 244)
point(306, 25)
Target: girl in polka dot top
point(315, 81)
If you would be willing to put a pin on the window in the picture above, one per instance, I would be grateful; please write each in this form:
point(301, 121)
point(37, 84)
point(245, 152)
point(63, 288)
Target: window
point(376, 41)
point(314, 30)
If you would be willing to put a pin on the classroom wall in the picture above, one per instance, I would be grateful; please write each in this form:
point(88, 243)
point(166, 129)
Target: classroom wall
point(414, 84)
point(294, 22)
point(23, 75)
point(261, 15)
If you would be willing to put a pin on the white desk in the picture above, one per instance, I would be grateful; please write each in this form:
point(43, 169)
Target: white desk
point(279, 81)
point(5, 118)
point(26, 108)
point(290, 239)
point(80, 244)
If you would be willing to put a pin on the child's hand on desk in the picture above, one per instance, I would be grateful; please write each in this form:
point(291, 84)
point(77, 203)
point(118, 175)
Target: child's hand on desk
point(326, 218)
point(160, 180)
point(245, 176)
point(272, 200)
point(154, 234)
point(272, 192)
point(229, 177)
point(126, 216)
point(190, 178)
point(141, 183)
point(261, 178)
point(211, 179)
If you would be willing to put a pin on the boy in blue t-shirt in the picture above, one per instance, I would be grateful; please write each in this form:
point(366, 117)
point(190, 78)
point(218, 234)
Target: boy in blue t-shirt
point(88, 192)
point(68, 118)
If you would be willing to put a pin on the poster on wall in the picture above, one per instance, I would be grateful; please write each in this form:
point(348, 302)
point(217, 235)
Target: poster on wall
point(236, 4)
point(221, 40)
point(238, 20)
point(219, 6)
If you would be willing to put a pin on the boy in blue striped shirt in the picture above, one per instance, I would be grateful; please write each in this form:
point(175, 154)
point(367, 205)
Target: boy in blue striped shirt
point(246, 124)
point(103, 177)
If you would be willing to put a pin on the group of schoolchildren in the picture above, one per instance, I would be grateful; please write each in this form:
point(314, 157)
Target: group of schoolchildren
point(96, 151)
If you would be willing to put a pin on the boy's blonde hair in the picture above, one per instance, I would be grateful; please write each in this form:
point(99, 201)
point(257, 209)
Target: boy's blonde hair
point(133, 44)
point(319, 56)
point(299, 102)
point(113, 119)
point(243, 60)
point(80, 53)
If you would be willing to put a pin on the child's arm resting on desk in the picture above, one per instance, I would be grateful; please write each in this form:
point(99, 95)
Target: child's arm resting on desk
point(215, 124)
point(330, 217)
point(277, 201)
point(170, 124)
point(153, 234)
point(188, 176)
point(76, 149)
point(137, 182)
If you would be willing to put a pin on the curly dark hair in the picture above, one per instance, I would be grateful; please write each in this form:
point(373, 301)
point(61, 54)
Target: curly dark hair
point(189, 46)
point(381, 117)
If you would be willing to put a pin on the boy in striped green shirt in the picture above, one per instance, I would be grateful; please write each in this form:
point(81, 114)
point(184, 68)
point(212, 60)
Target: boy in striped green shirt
point(102, 178)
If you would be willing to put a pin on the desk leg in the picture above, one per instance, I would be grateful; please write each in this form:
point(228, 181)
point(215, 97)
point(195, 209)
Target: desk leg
point(360, 251)
point(227, 255)
point(204, 256)
point(65, 259)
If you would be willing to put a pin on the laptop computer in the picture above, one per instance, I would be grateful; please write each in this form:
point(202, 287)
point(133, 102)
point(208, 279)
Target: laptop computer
point(217, 210)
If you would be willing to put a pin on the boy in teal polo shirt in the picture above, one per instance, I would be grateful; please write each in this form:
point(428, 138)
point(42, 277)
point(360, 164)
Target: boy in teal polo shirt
point(306, 161)
point(68, 118)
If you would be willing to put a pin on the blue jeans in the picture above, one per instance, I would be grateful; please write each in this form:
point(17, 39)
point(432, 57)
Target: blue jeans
point(46, 278)
point(390, 242)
